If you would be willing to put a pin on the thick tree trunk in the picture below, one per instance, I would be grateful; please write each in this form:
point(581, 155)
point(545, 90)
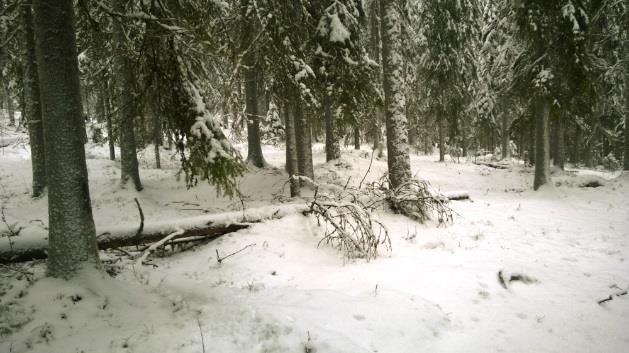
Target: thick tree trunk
point(71, 232)
point(395, 105)
point(304, 141)
point(506, 151)
point(125, 93)
point(442, 147)
point(356, 137)
point(32, 102)
point(332, 145)
point(542, 153)
point(291, 149)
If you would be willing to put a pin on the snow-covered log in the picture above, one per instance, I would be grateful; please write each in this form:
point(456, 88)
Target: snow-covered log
point(26, 247)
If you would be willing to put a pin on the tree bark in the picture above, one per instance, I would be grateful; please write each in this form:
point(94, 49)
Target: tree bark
point(291, 149)
point(332, 145)
point(626, 47)
point(252, 84)
point(71, 232)
point(125, 101)
point(303, 140)
point(395, 105)
point(32, 101)
point(356, 137)
point(252, 113)
point(542, 153)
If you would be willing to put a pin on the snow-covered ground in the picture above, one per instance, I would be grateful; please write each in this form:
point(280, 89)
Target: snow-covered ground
point(436, 291)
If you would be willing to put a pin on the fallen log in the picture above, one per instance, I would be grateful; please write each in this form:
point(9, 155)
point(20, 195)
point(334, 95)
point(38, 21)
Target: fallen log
point(456, 195)
point(108, 242)
point(194, 229)
point(492, 165)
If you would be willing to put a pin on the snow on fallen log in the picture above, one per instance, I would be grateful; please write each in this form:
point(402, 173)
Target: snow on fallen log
point(492, 165)
point(456, 195)
point(32, 243)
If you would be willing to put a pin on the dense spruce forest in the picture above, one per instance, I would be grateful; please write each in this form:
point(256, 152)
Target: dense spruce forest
point(314, 176)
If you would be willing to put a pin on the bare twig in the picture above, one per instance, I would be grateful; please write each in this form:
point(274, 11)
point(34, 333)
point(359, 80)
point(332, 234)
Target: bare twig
point(221, 259)
point(368, 169)
point(201, 333)
point(141, 228)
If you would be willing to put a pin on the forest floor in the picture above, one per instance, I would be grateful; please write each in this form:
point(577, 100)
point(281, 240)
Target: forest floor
point(438, 290)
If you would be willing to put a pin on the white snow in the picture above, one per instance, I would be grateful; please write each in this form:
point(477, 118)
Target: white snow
point(436, 291)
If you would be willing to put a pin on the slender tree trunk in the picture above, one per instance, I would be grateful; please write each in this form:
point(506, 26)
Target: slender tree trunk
point(32, 101)
point(71, 232)
point(303, 140)
point(577, 145)
point(395, 105)
point(332, 145)
point(626, 47)
point(375, 52)
point(506, 153)
point(157, 139)
point(463, 138)
point(10, 108)
point(442, 147)
point(125, 99)
point(252, 113)
point(559, 158)
point(110, 124)
point(542, 153)
point(252, 84)
point(356, 137)
point(291, 149)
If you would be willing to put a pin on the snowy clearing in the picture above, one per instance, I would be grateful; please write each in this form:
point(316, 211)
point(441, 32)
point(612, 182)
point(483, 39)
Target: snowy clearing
point(438, 290)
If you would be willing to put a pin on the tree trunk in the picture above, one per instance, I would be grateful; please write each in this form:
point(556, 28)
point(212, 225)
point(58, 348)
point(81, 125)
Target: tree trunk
point(125, 99)
point(10, 109)
point(32, 102)
point(71, 232)
point(506, 151)
point(412, 133)
point(560, 133)
point(109, 120)
point(291, 149)
point(356, 137)
point(252, 114)
point(442, 148)
point(252, 80)
point(542, 153)
point(577, 145)
point(626, 47)
point(332, 145)
point(157, 139)
point(303, 141)
point(395, 105)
